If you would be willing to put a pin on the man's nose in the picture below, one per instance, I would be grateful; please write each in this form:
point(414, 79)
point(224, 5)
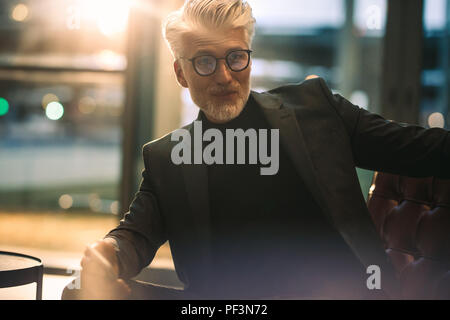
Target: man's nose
point(223, 73)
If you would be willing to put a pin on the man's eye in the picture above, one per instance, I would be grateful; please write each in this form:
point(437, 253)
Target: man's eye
point(237, 56)
point(204, 60)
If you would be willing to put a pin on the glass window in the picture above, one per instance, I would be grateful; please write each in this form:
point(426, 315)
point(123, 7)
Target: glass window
point(434, 106)
point(62, 94)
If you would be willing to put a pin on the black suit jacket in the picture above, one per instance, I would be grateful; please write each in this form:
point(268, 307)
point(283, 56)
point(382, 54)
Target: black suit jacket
point(326, 137)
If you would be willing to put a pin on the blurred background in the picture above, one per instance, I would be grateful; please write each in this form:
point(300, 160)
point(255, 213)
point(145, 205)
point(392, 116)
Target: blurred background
point(85, 83)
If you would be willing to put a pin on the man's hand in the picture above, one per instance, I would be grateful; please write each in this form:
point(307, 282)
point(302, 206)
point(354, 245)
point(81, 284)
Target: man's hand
point(98, 281)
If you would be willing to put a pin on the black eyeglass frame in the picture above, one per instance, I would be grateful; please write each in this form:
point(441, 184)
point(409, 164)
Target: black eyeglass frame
point(217, 62)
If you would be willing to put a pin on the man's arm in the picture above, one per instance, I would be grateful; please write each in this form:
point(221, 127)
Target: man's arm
point(141, 232)
point(382, 145)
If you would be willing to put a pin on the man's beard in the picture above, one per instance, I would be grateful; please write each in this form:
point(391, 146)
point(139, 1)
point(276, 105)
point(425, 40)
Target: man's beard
point(224, 111)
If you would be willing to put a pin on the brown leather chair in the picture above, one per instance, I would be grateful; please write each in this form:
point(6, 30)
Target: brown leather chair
point(412, 216)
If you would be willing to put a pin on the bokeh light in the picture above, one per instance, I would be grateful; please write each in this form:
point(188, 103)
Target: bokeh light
point(95, 203)
point(360, 98)
point(111, 60)
point(54, 110)
point(87, 105)
point(112, 15)
point(49, 97)
point(114, 207)
point(436, 120)
point(4, 106)
point(65, 201)
point(20, 12)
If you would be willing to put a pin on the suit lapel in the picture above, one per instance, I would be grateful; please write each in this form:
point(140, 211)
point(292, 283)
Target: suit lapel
point(294, 144)
point(355, 228)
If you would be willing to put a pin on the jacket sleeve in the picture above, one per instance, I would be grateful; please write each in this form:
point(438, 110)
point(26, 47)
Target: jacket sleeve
point(388, 146)
point(141, 232)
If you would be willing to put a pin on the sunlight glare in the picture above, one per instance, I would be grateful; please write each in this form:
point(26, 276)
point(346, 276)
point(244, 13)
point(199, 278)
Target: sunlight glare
point(111, 15)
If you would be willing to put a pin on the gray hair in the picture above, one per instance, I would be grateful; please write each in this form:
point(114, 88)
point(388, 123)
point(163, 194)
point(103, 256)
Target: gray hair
point(203, 15)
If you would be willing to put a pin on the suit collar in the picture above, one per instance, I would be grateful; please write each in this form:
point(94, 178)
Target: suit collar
point(293, 141)
point(267, 100)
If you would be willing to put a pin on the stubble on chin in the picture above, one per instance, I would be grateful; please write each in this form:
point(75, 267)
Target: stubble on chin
point(222, 111)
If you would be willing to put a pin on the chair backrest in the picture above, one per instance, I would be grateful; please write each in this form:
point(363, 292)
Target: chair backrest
point(412, 216)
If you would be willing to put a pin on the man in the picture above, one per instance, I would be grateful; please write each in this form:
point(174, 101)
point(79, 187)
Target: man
point(302, 231)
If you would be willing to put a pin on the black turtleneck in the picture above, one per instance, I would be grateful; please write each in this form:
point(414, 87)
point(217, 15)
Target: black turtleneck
point(269, 236)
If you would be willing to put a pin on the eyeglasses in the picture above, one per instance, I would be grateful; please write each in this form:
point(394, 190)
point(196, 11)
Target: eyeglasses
point(237, 61)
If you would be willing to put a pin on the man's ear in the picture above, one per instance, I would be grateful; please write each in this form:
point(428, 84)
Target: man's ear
point(180, 75)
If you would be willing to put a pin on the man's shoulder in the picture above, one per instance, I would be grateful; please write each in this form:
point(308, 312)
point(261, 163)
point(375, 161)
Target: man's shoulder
point(309, 91)
point(162, 145)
